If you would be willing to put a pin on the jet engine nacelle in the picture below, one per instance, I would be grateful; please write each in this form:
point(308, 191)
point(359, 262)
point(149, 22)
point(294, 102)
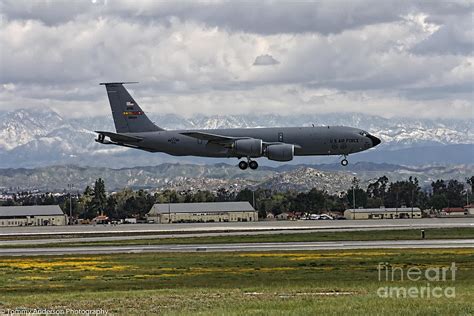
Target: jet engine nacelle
point(249, 147)
point(280, 152)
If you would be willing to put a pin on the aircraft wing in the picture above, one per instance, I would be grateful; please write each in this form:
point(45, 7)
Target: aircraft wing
point(211, 137)
point(120, 137)
point(220, 139)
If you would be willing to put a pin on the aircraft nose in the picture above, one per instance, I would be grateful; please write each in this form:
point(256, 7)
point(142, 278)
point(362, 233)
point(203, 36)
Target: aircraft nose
point(375, 140)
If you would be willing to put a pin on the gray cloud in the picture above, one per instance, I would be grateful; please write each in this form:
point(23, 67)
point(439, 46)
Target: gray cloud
point(265, 60)
point(262, 17)
point(49, 12)
point(376, 57)
point(455, 36)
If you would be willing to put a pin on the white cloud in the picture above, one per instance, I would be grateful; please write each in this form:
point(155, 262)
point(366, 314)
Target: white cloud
point(375, 57)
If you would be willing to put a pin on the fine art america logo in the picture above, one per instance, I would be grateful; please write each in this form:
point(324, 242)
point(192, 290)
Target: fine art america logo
point(428, 284)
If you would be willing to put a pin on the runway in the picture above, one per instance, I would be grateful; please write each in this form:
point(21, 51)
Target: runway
point(234, 227)
point(283, 246)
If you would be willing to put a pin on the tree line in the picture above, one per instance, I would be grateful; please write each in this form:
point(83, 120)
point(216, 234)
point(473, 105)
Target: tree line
point(128, 203)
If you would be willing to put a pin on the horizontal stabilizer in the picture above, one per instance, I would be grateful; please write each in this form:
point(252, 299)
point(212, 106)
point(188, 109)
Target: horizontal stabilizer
point(120, 137)
point(115, 83)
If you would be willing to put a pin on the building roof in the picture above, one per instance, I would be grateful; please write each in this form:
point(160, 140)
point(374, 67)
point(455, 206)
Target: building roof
point(200, 207)
point(454, 209)
point(33, 210)
point(383, 210)
point(101, 218)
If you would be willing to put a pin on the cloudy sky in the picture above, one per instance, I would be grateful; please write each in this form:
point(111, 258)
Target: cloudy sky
point(389, 58)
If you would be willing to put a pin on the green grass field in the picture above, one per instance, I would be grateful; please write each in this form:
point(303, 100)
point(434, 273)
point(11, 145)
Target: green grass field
point(405, 234)
point(254, 283)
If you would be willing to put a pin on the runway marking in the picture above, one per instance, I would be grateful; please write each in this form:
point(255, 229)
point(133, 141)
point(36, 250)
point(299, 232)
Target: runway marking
point(378, 244)
point(263, 227)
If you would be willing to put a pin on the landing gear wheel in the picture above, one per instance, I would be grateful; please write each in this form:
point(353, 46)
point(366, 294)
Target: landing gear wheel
point(344, 162)
point(253, 165)
point(243, 165)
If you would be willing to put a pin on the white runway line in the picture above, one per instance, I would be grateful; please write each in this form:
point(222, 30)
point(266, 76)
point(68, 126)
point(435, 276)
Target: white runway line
point(288, 246)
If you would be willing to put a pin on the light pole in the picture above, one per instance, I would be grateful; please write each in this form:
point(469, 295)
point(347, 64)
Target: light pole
point(169, 209)
point(253, 204)
point(253, 199)
point(396, 205)
point(70, 186)
point(355, 182)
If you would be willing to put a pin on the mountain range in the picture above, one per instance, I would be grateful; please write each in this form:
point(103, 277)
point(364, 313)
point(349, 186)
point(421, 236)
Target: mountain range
point(183, 177)
point(38, 138)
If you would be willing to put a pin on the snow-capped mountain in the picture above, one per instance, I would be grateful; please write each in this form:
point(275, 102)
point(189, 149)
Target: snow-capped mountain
point(20, 127)
point(395, 133)
point(30, 138)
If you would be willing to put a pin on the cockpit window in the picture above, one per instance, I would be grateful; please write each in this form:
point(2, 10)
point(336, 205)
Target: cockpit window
point(363, 133)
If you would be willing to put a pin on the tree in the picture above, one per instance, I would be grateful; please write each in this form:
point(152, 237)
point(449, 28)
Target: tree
point(111, 209)
point(99, 201)
point(454, 194)
point(245, 195)
point(96, 200)
point(470, 182)
point(120, 210)
point(311, 202)
point(378, 189)
point(202, 196)
point(360, 197)
point(438, 187)
point(65, 206)
point(223, 195)
point(168, 196)
point(403, 193)
point(438, 201)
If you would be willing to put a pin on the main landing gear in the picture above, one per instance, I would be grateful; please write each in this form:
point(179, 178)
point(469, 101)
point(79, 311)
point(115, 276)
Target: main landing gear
point(251, 163)
point(344, 162)
point(243, 165)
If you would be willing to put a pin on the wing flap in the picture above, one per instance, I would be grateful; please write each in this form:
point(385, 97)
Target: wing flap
point(211, 137)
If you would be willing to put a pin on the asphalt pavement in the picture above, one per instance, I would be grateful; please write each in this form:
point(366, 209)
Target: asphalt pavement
point(190, 228)
point(275, 246)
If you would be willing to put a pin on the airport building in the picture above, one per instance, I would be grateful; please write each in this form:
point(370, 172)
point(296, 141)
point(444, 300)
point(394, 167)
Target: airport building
point(202, 212)
point(467, 210)
point(383, 213)
point(470, 209)
point(35, 215)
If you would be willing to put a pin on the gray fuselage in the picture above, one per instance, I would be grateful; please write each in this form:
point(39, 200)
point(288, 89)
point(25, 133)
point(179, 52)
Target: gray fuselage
point(327, 140)
point(134, 129)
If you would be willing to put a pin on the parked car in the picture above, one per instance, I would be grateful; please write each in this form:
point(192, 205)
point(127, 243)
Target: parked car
point(314, 216)
point(325, 217)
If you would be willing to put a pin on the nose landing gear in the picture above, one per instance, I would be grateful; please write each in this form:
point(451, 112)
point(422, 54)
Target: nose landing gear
point(344, 162)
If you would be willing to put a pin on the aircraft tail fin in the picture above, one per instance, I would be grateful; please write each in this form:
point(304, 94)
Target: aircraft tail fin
point(127, 114)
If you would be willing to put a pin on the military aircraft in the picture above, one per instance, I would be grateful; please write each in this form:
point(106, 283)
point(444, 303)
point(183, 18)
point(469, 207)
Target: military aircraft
point(135, 130)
